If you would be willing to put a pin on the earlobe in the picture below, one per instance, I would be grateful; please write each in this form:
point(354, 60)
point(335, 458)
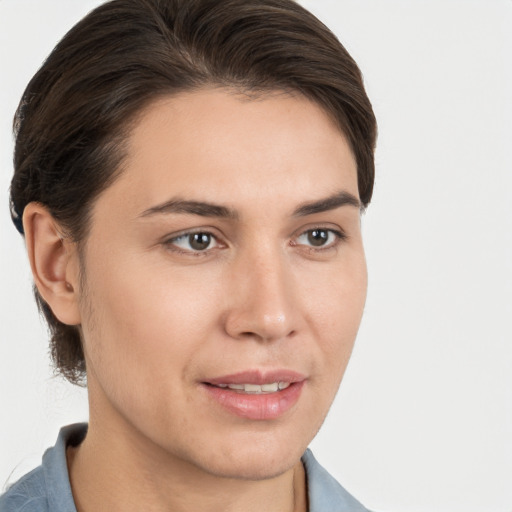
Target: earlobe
point(54, 263)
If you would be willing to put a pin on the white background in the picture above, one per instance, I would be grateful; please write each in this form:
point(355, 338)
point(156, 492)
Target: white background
point(423, 421)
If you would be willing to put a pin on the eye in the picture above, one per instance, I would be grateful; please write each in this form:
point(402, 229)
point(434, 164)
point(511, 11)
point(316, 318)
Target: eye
point(199, 241)
point(320, 238)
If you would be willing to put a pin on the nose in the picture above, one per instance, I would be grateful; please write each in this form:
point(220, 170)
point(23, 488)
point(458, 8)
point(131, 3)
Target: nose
point(263, 298)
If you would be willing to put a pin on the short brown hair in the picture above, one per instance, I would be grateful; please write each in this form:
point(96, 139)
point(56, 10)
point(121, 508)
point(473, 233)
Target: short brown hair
point(76, 111)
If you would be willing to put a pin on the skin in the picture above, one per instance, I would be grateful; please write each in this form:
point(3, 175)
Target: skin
point(159, 319)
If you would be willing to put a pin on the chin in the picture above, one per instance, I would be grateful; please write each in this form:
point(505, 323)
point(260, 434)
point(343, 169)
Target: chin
point(256, 460)
point(259, 468)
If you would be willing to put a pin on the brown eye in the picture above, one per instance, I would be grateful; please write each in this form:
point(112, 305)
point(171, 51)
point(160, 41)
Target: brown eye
point(318, 237)
point(199, 241)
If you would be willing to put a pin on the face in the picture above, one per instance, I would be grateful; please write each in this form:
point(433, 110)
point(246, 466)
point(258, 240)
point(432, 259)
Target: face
point(224, 282)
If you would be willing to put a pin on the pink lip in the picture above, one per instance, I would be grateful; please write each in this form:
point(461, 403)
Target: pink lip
point(258, 377)
point(257, 407)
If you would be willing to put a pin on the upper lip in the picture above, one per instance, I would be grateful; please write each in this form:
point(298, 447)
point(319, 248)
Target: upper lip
point(258, 377)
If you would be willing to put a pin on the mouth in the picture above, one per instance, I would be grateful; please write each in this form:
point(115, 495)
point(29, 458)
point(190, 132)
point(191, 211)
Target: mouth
point(256, 395)
point(254, 389)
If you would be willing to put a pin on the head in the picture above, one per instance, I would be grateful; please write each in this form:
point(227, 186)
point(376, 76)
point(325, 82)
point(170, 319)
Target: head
point(142, 112)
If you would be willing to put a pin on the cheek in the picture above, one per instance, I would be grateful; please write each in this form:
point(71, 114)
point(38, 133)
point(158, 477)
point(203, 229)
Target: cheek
point(144, 321)
point(143, 293)
point(339, 294)
point(334, 310)
point(335, 313)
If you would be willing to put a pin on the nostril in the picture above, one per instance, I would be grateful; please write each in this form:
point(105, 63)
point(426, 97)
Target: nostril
point(262, 316)
point(266, 335)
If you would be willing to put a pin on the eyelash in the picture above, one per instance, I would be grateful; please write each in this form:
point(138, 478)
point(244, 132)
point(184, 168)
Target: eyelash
point(339, 236)
point(170, 244)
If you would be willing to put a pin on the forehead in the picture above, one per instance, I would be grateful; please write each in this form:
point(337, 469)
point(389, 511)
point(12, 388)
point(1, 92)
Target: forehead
point(218, 146)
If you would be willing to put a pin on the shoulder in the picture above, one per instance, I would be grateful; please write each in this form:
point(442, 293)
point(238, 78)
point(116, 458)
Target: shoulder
point(47, 487)
point(325, 494)
point(27, 495)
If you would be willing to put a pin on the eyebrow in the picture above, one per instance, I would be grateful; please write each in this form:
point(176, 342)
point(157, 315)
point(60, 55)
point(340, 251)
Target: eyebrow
point(200, 208)
point(206, 209)
point(337, 200)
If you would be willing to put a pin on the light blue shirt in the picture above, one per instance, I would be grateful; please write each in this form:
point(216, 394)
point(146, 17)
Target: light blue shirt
point(47, 488)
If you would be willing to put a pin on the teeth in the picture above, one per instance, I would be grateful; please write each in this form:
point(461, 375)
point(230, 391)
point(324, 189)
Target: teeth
point(252, 388)
point(271, 387)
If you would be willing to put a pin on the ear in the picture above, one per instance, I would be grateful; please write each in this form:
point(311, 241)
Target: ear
point(54, 263)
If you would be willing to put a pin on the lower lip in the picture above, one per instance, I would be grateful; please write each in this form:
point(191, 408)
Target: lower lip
point(266, 406)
